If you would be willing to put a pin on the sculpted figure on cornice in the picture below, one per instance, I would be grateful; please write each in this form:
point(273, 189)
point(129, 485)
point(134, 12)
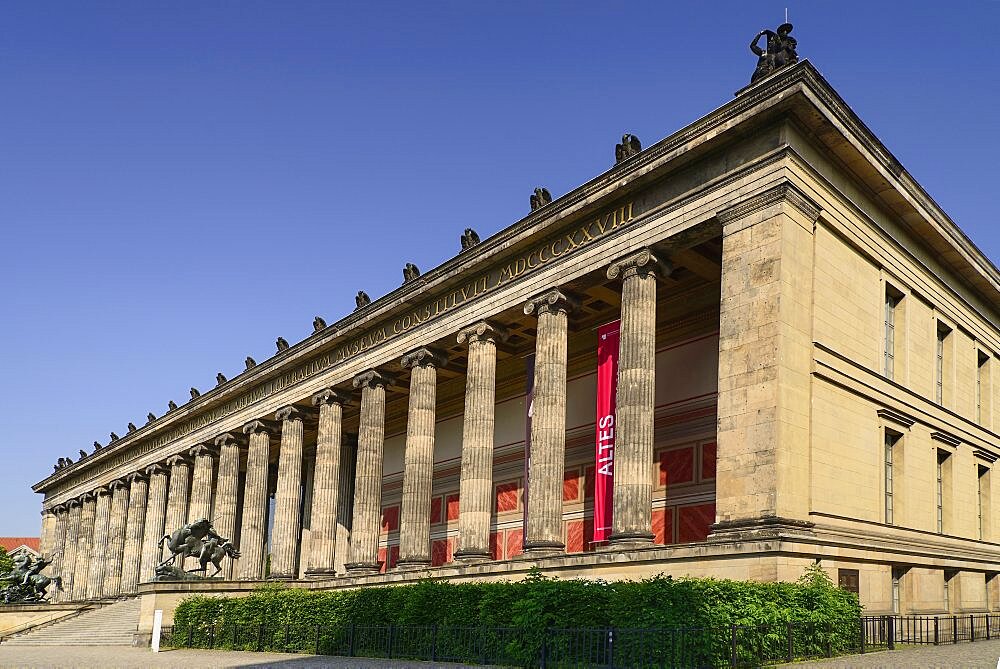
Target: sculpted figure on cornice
point(281, 344)
point(171, 405)
point(220, 378)
point(540, 198)
point(195, 393)
point(318, 324)
point(469, 239)
point(362, 300)
point(629, 147)
point(250, 362)
point(779, 51)
point(132, 427)
point(150, 417)
point(410, 272)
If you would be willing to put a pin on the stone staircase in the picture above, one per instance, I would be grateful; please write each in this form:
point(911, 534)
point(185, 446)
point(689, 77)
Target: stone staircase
point(113, 625)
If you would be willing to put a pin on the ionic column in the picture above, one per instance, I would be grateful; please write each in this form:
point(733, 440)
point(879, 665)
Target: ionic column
point(253, 533)
point(345, 500)
point(227, 493)
point(135, 524)
point(99, 544)
point(201, 483)
point(368, 474)
point(156, 513)
point(326, 483)
point(58, 543)
point(631, 518)
point(288, 496)
point(69, 555)
point(475, 493)
point(111, 587)
point(544, 527)
point(178, 495)
point(85, 537)
point(418, 458)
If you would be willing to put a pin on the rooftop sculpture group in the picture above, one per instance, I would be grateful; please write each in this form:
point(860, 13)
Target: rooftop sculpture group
point(777, 53)
point(25, 584)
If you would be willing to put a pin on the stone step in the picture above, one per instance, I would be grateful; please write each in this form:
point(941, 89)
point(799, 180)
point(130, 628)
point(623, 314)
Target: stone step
point(112, 625)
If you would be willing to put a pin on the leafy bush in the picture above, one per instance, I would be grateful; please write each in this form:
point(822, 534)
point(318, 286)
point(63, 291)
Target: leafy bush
point(274, 616)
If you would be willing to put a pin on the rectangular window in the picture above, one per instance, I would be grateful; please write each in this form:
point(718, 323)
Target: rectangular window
point(897, 577)
point(983, 500)
point(889, 355)
point(890, 442)
point(848, 579)
point(942, 461)
point(982, 385)
point(949, 575)
point(942, 336)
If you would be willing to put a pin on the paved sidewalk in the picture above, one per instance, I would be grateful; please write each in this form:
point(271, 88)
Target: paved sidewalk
point(966, 655)
point(105, 657)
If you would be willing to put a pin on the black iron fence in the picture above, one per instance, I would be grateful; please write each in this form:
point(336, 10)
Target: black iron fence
point(680, 647)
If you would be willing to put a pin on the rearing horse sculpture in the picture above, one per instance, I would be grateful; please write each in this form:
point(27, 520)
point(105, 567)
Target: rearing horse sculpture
point(188, 540)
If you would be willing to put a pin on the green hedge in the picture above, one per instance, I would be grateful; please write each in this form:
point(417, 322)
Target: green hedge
point(539, 603)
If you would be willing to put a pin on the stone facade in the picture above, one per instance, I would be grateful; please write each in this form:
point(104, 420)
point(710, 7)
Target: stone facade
point(806, 368)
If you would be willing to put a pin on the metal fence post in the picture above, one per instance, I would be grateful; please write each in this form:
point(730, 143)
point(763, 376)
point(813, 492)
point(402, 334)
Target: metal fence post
point(987, 626)
point(864, 632)
point(235, 636)
point(434, 643)
point(391, 629)
point(260, 638)
point(317, 641)
point(972, 627)
point(610, 641)
point(954, 629)
point(350, 642)
point(891, 631)
point(190, 636)
point(936, 638)
point(788, 628)
point(732, 645)
point(545, 636)
point(829, 639)
point(211, 636)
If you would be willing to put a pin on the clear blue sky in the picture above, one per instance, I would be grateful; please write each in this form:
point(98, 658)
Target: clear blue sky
point(182, 182)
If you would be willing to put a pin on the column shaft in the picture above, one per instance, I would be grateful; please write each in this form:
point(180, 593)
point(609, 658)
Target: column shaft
point(326, 484)
point(99, 544)
point(345, 501)
point(475, 507)
point(418, 459)
point(227, 494)
point(177, 499)
point(544, 527)
point(288, 497)
point(58, 547)
point(135, 525)
point(68, 570)
point(156, 513)
point(368, 474)
point(111, 587)
point(201, 484)
point(631, 520)
point(254, 528)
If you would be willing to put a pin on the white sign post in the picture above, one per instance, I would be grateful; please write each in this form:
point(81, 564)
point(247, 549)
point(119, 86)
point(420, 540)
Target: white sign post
point(157, 624)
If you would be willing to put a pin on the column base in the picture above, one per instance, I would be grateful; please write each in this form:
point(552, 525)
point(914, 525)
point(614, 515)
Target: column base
point(281, 577)
point(362, 568)
point(473, 556)
point(758, 529)
point(413, 564)
point(321, 572)
point(542, 548)
point(626, 540)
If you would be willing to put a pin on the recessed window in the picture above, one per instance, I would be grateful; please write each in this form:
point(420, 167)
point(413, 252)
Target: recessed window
point(982, 387)
point(897, 578)
point(889, 446)
point(983, 500)
point(849, 579)
point(942, 487)
point(892, 301)
point(943, 333)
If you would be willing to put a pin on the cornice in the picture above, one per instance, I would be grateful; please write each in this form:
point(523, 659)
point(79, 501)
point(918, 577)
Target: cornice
point(783, 192)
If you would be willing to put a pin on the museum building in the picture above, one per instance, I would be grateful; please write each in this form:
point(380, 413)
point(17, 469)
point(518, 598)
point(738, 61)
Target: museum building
point(804, 342)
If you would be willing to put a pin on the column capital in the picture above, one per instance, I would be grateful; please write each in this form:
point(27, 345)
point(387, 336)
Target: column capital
point(156, 468)
point(483, 331)
point(423, 357)
point(135, 477)
point(229, 439)
point(331, 396)
point(179, 459)
point(76, 501)
point(118, 483)
point(59, 508)
point(202, 450)
point(258, 426)
point(373, 378)
point(290, 412)
point(101, 491)
point(641, 263)
point(551, 301)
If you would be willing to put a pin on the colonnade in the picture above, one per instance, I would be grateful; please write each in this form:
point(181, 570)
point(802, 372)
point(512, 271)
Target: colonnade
point(106, 541)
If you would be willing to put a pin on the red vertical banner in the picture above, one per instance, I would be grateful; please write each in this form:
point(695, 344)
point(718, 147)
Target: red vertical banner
point(607, 388)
